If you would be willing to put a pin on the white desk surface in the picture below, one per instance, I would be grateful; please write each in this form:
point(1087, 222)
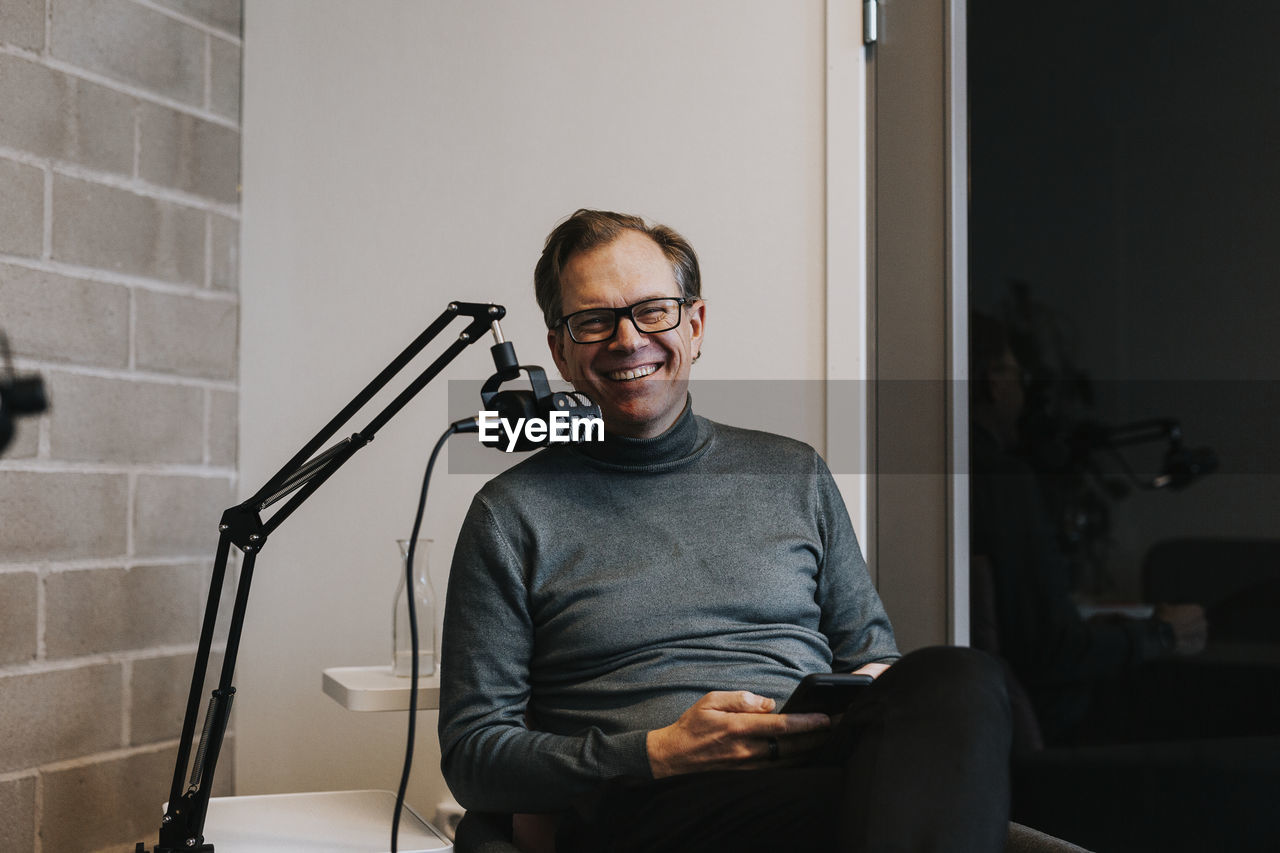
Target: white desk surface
point(324, 822)
point(374, 688)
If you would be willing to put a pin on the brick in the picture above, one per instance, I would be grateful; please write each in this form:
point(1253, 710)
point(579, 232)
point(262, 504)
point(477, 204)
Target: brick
point(176, 515)
point(224, 84)
point(22, 214)
point(189, 154)
point(93, 611)
point(54, 515)
point(59, 715)
point(224, 426)
point(18, 815)
point(19, 600)
point(115, 229)
point(113, 803)
point(222, 14)
point(53, 317)
point(186, 335)
point(160, 687)
point(225, 251)
point(115, 420)
point(22, 25)
point(132, 44)
point(56, 115)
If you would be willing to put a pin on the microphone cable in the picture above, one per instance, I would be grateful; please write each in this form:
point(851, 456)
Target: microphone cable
point(413, 640)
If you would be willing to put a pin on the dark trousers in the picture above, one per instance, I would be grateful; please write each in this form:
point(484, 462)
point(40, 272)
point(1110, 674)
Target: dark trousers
point(920, 762)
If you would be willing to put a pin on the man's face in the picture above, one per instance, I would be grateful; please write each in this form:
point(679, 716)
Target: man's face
point(639, 380)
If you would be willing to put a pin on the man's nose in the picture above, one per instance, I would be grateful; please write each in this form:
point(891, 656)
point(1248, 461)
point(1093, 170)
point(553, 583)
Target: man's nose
point(628, 338)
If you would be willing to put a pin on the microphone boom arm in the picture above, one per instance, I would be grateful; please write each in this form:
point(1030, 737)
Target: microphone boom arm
point(182, 827)
point(1180, 465)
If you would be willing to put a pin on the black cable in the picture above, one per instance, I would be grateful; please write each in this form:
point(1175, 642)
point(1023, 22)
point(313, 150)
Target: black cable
point(413, 640)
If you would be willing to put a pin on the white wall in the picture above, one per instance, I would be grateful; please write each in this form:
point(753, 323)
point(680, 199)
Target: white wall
point(398, 155)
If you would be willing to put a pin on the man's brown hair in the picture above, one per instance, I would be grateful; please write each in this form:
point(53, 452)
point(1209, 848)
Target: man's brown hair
point(589, 229)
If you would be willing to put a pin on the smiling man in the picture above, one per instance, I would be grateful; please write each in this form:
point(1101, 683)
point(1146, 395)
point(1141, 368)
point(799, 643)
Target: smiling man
point(637, 371)
point(623, 617)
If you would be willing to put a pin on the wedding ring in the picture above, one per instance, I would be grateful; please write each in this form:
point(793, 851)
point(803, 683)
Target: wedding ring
point(773, 749)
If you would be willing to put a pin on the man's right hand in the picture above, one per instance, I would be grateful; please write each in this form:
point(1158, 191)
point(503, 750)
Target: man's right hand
point(729, 730)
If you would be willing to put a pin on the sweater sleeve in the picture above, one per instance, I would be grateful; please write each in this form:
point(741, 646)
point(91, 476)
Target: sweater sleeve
point(490, 758)
point(853, 617)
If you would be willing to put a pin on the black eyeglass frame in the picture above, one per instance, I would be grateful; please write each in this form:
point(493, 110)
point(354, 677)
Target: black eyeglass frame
point(628, 312)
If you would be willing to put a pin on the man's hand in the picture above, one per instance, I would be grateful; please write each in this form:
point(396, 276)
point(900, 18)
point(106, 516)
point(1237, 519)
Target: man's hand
point(1190, 628)
point(872, 669)
point(729, 730)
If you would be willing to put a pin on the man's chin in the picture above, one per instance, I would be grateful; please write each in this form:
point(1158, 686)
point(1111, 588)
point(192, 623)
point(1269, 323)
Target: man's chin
point(646, 421)
point(639, 408)
point(617, 424)
point(624, 420)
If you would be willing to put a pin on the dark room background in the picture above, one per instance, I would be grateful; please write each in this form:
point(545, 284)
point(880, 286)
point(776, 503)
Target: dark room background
point(1125, 225)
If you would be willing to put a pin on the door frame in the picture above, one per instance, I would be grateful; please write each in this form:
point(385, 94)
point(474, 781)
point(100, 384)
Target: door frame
point(918, 311)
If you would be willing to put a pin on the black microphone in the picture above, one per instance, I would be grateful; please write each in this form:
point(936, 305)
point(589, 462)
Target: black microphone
point(521, 420)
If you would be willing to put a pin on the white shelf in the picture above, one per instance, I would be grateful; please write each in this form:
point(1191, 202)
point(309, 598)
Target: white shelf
point(324, 822)
point(374, 688)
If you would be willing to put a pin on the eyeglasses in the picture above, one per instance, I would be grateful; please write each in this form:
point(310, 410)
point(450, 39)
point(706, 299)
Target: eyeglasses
point(649, 316)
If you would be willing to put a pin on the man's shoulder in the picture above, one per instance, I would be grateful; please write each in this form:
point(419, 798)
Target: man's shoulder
point(753, 448)
point(759, 438)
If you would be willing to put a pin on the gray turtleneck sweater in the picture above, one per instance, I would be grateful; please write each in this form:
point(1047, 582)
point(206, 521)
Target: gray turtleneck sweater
point(598, 591)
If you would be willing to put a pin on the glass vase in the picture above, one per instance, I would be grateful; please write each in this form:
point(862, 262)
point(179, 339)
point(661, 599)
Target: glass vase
point(424, 603)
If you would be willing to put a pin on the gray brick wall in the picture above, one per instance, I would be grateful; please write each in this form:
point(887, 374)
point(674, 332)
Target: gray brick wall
point(119, 268)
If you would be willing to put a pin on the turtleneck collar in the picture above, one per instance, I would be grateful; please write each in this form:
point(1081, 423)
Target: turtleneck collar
point(686, 438)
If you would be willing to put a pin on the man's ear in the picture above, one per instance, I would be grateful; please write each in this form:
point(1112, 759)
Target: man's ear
point(556, 343)
point(697, 317)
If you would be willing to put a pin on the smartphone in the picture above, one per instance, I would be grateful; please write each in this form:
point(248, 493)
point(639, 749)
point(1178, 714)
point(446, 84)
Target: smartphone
point(826, 693)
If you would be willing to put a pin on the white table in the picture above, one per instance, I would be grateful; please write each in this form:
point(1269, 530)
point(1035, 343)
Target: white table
point(332, 821)
point(323, 822)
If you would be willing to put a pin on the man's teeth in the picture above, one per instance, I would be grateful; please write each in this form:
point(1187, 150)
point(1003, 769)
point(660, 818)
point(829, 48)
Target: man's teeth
point(635, 373)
